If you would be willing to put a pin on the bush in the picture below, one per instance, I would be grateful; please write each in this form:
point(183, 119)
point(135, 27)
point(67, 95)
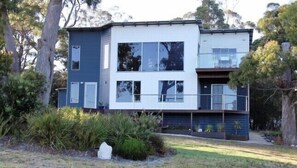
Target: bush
point(132, 148)
point(68, 128)
point(92, 132)
point(157, 144)
point(19, 94)
point(4, 126)
point(120, 128)
point(51, 129)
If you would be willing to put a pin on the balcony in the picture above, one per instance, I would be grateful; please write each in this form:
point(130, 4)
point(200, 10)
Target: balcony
point(226, 61)
point(193, 102)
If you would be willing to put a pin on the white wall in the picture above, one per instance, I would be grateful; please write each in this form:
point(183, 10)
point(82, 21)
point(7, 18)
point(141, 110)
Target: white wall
point(187, 33)
point(240, 41)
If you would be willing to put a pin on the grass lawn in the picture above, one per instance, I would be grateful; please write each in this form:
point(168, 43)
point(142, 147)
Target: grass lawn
point(191, 152)
point(214, 153)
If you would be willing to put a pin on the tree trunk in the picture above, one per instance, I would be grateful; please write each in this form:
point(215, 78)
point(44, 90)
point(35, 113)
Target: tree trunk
point(288, 120)
point(10, 44)
point(46, 47)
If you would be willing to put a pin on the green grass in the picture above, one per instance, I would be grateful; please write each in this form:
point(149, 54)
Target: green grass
point(191, 152)
point(214, 153)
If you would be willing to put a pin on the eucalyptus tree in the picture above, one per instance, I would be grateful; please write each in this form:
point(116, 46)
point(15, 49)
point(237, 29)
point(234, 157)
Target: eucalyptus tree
point(274, 64)
point(47, 42)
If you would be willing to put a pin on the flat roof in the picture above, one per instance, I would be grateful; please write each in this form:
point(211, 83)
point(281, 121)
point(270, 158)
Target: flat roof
point(143, 23)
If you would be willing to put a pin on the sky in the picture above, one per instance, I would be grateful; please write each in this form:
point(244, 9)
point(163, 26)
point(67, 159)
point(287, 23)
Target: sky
point(153, 10)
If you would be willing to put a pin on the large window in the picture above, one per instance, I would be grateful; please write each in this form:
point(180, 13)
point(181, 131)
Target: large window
point(75, 59)
point(151, 56)
point(128, 91)
point(171, 56)
point(171, 91)
point(129, 56)
point(225, 57)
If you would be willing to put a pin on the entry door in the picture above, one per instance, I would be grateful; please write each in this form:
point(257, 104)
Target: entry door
point(90, 97)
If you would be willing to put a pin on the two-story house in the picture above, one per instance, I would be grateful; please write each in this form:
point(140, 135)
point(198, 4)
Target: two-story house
point(171, 67)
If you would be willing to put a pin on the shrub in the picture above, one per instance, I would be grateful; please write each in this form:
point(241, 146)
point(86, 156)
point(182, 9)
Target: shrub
point(4, 126)
point(157, 144)
point(92, 132)
point(51, 129)
point(220, 127)
point(145, 125)
point(19, 94)
point(120, 128)
point(132, 148)
point(68, 128)
point(208, 128)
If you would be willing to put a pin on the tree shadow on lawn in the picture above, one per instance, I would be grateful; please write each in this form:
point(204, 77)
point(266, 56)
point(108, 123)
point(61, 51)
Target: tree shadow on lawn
point(197, 158)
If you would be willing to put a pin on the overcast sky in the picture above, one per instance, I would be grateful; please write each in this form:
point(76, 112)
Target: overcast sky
point(152, 10)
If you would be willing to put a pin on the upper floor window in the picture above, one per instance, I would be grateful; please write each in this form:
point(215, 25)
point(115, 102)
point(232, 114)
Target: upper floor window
point(75, 58)
point(225, 57)
point(151, 56)
point(171, 91)
point(128, 91)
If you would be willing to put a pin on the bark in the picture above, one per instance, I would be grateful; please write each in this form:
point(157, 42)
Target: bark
point(46, 47)
point(288, 120)
point(10, 44)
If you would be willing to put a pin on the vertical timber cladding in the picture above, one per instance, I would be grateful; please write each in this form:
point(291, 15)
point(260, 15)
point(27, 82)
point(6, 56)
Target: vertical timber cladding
point(89, 68)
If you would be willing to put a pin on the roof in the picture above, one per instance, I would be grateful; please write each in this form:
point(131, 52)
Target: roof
point(144, 23)
point(172, 22)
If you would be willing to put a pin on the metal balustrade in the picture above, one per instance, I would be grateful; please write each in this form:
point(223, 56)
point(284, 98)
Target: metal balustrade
point(211, 60)
point(189, 101)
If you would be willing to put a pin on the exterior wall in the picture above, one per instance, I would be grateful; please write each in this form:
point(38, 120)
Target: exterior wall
point(104, 86)
point(229, 124)
point(189, 34)
point(240, 41)
point(177, 120)
point(202, 120)
point(61, 97)
point(90, 43)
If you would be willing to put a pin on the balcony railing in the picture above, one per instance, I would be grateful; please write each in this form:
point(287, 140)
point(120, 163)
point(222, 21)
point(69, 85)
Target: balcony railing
point(211, 60)
point(188, 101)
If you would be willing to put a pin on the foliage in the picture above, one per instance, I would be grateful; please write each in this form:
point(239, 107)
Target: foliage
point(211, 15)
point(5, 63)
point(288, 20)
point(156, 142)
point(4, 126)
point(237, 126)
point(208, 128)
point(20, 94)
point(92, 132)
point(51, 129)
point(265, 110)
point(132, 148)
point(220, 127)
point(68, 128)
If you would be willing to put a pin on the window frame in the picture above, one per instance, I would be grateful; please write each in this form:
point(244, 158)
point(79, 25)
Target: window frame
point(134, 97)
point(79, 55)
point(176, 95)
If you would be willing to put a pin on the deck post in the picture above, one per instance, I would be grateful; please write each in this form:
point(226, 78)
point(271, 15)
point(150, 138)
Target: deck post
point(191, 121)
point(223, 120)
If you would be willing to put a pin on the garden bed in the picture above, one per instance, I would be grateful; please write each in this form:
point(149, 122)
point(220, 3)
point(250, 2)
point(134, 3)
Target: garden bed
point(236, 137)
point(215, 135)
point(177, 131)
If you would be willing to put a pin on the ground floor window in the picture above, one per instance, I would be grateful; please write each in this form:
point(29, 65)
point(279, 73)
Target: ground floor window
point(171, 91)
point(128, 91)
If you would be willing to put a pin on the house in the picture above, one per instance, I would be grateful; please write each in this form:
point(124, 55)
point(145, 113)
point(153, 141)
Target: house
point(172, 67)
